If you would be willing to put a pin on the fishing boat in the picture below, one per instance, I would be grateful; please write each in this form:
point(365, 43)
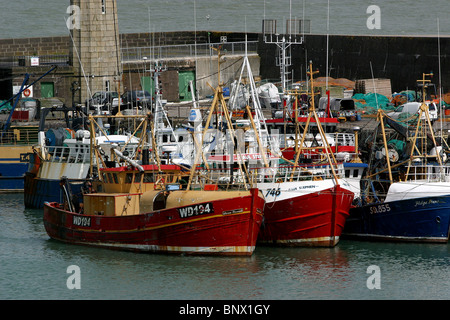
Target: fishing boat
point(17, 140)
point(65, 152)
point(15, 144)
point(307, 204)
point(168, 220)
point(289, 132)
point(423, 218)
point(158, 208)
point(416, 207)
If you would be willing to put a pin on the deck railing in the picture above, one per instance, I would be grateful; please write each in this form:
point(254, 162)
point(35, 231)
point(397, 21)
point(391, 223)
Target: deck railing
point(429, 173)
point(79, 154)
point(74, 154)
point(139, 53)
point(19, 137)
point(185, 50)
point(225, 178)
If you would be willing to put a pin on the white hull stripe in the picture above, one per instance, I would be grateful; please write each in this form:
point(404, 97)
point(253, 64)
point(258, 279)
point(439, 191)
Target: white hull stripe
point(293, 241)
point(156, 248)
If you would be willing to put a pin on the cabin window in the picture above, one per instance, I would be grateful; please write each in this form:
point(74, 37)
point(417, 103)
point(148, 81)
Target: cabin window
point(110, 178)
point(330, 129)
point(172, 178)
point(129, 178)
point(355, 173)
point(347, 173)
point(137, 177)
point(148, 177)
point(290, 129)
point(105, 177)
point(115, 178)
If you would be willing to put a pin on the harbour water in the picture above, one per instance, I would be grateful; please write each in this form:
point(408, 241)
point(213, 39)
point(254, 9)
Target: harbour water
point(22, 19)
point(33, 267)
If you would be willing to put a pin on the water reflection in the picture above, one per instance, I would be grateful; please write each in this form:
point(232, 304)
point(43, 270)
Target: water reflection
point(35, 267)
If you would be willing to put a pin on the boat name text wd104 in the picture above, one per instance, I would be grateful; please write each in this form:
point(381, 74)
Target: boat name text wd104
point(81, 221)
point(196, 209)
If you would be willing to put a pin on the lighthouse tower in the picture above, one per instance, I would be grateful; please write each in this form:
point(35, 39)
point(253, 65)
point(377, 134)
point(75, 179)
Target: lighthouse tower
point(95, 49)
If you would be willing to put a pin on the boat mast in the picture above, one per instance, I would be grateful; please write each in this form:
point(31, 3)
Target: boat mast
point(218, 100)
point(312, 113)
point(160, 119)
point(258, 122)
point(380, 117)
point(423, 112)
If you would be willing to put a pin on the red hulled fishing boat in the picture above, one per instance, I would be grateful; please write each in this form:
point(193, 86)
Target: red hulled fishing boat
point(309, 198)
point(305, 213)
point(160, 220)
point(158, 208)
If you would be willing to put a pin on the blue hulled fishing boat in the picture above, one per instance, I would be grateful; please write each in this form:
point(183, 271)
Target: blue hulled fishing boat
point(421, 219)
point(416, 206)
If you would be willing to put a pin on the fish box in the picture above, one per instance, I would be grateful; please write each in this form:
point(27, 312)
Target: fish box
point(119, 204)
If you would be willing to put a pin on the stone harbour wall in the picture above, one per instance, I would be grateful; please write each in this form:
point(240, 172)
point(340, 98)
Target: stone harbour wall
point(402, 59)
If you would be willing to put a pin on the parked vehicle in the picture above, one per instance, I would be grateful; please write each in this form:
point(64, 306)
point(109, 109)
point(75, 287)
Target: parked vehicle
point(343, 109)
point(138, 98)
point(412, 108)
point(102, 98)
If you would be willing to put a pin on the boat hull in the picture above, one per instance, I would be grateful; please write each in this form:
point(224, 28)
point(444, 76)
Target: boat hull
point(230, 227)
point(38, 191)
point(12, 177)
point(413, 220)
point(313, 219)
point(42, 181)
point(13, 168)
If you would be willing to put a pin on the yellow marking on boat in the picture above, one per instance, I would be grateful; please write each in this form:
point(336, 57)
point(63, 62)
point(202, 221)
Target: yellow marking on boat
point(12, 154)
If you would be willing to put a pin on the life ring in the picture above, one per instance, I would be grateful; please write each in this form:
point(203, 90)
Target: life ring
point(27, 92)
